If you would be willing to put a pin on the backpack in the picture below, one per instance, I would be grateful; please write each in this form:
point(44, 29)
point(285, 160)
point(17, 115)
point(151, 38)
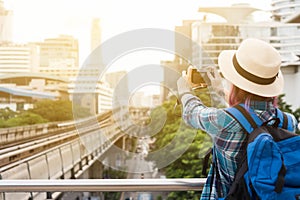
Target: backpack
point(270, 165)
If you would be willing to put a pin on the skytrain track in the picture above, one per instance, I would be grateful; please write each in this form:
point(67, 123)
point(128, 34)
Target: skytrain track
point(20, 150)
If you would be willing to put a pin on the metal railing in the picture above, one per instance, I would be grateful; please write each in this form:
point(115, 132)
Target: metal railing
point(103, 185)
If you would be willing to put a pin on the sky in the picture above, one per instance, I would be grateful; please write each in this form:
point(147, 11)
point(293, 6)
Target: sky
point(35, 20)
point(41, 18)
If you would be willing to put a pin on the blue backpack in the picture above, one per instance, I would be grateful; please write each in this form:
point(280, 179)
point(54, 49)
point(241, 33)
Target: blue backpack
point(270, 166)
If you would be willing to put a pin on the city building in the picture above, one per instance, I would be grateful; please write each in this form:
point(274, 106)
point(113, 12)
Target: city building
point(118, 81)
point(90, 92)
point(59, 52)
point(142, 99)
point(182, 58)
point(6, 24)
point(113, 79)
point(172, 72)
point(50, 69)
point(286, 11)
point(19, 91)
point(212, 38)
point(88, 88)
point(95, 33)
point(18, 58)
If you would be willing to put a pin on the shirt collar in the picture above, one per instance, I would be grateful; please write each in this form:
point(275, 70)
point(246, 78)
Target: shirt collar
point(262, 105)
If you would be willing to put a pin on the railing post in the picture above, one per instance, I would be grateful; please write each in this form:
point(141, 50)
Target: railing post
point(48, 195)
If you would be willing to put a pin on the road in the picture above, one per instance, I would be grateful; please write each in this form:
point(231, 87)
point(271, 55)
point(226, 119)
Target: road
point(140, 168)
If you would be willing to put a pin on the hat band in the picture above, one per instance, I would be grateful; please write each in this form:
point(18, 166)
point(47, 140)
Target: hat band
point(251, 77)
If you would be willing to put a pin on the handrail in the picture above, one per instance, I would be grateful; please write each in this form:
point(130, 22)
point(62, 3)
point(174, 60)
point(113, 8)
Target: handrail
point(104, 185)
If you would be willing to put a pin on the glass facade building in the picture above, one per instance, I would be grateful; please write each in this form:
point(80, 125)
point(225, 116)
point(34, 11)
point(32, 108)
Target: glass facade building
point(213, 37)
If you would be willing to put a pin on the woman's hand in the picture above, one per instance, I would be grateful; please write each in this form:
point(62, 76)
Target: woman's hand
point(219, 85)
point(216, 81)
point(183, 85)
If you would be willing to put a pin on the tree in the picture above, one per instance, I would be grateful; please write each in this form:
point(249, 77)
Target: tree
point(60, 110)
point(6, 113)
point(43, 111)
point(25, 118)
point(288, 108)
point(189, 165)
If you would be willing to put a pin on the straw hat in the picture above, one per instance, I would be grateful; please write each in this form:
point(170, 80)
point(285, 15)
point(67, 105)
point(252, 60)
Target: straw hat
point(253, 67)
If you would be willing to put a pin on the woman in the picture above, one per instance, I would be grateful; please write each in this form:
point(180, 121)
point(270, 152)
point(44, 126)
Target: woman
point(253, 71)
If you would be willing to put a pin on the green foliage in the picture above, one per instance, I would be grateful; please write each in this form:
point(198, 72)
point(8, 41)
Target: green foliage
point(54, 110)
point(190, 195)
point(21, 119)
point(25, 118)
point(60, 110)
point(3, 123)
point(288, 108)
point(43, 111)
point(113, 174)
point(283, 105)
point(6, 113)
point(189, 165)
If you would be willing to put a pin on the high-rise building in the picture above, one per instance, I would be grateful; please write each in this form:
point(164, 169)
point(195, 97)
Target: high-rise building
point(212, 38)
point(286, 10)
point(90, 93)
point(6, 17)
point(118, 81)
point(95, 33)
point(95, 58)
point(59, 52)
point(87, 88)
point(184, 46)
point(18, 58)
point(183, 55)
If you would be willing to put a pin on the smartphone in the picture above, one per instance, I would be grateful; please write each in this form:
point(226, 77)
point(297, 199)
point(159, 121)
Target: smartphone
point(196, 78)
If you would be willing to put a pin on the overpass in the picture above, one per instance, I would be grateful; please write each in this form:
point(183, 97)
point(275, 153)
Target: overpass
point(70, 151)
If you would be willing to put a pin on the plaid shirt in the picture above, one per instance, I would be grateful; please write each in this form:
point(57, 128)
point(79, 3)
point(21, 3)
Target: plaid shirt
point(228, 137)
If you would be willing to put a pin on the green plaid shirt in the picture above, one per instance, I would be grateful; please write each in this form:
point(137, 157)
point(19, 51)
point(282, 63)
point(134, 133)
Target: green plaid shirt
point(228, 137)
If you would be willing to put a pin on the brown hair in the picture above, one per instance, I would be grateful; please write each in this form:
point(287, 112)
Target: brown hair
point(237, 96)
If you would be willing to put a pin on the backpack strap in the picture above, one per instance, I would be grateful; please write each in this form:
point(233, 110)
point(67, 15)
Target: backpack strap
point(246, 118)
point(249, 120)
point(286, 121)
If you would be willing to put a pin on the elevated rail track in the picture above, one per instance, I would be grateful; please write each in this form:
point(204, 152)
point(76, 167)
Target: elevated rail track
point(57, 151)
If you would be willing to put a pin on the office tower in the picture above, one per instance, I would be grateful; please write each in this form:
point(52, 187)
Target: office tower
point(59, 52)
point(95, 33)
point(182, 58)
point(95, 58)
point(18, 58)
point(118, 81)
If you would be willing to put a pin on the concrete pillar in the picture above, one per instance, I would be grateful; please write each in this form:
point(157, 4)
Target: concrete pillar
point(84, 175)
point(96, 170)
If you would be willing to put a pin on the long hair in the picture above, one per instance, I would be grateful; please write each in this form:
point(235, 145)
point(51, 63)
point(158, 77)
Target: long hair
point(237, 96)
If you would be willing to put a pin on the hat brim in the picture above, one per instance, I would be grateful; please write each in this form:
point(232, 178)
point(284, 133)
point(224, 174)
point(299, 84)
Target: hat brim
point(229, 72)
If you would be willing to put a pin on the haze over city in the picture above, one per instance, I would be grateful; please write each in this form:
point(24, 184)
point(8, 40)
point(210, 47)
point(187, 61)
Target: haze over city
point(88, 117)
point(35, 20)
